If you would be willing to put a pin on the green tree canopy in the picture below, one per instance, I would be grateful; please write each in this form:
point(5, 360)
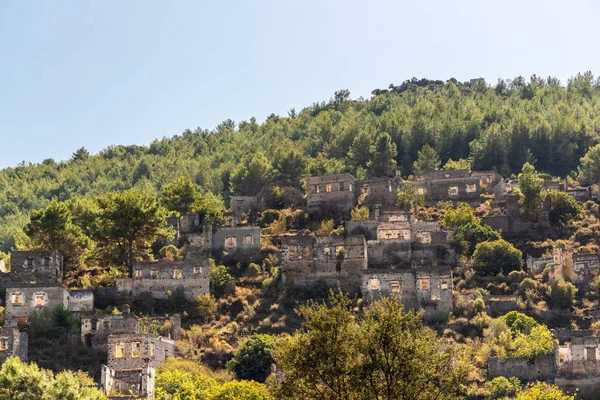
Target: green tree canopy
point(427, 159)
point(24, 381)
point(496, 257)
point(589, 169)
point(387, 354)
point(250, 175)
point(180, 195)
point(131, 221)
point(359, 154)
point(563, 207)
point(383, 156)
point(531, 186)
point(253, 359)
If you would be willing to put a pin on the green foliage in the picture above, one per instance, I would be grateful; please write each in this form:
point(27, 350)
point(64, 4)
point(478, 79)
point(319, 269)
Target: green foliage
point(325, 228)
point(238, 390)
point(562, 294)
point(563, 207)
point(386, 354)
point(290, 165)
point(359, 154)
point(253, 359)
point(130, 221)
point(221, 282)
point(359, 213)
point(496, 257)
point(519, 322)
point(180, 195)
point(539, 342)
point(531, 186)
point(407, 196)
point(169, 252)
point(543, 391)
point(461, 164)
point(502, 129)
point(427, 160)
point(249, 176)
point(501, 387)
point(52, 228)
point(21, 381)
point(383, 151)
point(517, 276)
point(589, 170)
point(206, 306)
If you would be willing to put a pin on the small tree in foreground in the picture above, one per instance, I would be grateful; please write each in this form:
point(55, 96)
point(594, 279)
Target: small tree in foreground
point(496, 257)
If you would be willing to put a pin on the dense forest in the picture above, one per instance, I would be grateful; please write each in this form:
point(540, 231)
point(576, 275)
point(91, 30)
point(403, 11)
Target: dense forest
point(541, 121)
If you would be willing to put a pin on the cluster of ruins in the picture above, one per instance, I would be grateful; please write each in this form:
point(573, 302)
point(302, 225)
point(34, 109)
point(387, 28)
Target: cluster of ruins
point(389, 254)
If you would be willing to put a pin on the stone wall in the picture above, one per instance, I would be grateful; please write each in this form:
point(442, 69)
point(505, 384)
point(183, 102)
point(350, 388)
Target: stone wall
point(34, 267)
point(22, 301)
point(13, 344)
point(500, 305)
point(429, 288)
point(128, 384)
point(242, 205)
point(81, 300)
point(242, 243)
point(330, 193)
point(541, 368)
point(306, 260)
point(377, 191)
point(366, 228)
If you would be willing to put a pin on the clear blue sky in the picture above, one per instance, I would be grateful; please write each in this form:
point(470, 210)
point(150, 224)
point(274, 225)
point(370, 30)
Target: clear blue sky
point(95, 73)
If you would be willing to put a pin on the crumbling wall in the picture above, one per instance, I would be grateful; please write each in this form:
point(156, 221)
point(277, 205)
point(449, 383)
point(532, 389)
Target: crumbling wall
point(34, 267)
point(240, 243)
point(13, 344)
point(22, 301)
point(81, 300)
point(330, 192)
point(542, 368)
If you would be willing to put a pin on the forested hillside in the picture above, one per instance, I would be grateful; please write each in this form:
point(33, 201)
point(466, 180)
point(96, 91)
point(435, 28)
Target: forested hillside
point(542, 121)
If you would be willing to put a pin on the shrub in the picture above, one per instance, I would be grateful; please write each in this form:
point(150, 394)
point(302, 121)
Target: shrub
point(253, 270)
point(206, 306)
point(221, 282)
point(501, 387)
point(359, 213)
point(563, 207)
point(496, 257)
point(169, 252)
point(519, 322)
point(527, 284)
point(517, 276)
point(326, 227)
point(562, 294)
point(253, 358)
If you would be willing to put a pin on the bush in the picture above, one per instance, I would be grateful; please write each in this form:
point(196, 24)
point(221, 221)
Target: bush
point(562, 294)
point(169, 252)
point(517, 276)
point(496, 257)
point(501, 387)
point(253, 270)
point(359, 213)
point(519, 323)
point(206, 307)
point(221, 282)
point(563, 207)
point(253, 358)
point(527, 286)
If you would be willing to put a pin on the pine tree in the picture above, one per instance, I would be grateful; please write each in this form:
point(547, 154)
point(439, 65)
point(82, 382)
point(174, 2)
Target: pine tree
point(383, 153)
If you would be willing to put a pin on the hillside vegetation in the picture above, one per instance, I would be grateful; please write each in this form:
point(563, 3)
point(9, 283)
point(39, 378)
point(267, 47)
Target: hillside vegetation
point(500, 127)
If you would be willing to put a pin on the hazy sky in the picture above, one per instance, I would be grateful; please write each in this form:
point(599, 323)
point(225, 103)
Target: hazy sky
point(95, 73)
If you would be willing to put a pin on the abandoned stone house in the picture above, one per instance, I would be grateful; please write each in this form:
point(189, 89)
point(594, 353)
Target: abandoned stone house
point(403, 242)
point(243, 206)
point(34, 283)
point(334, 260)
point(427, 288)
point(581, 194)
point(13, 343)
point(455, 185)
point(377, 191)
point(578, 268)
point(330, 194)
point(96, 329)
point(241, 243)
point(537, 265)
point(132, 362)
point(578, 365)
